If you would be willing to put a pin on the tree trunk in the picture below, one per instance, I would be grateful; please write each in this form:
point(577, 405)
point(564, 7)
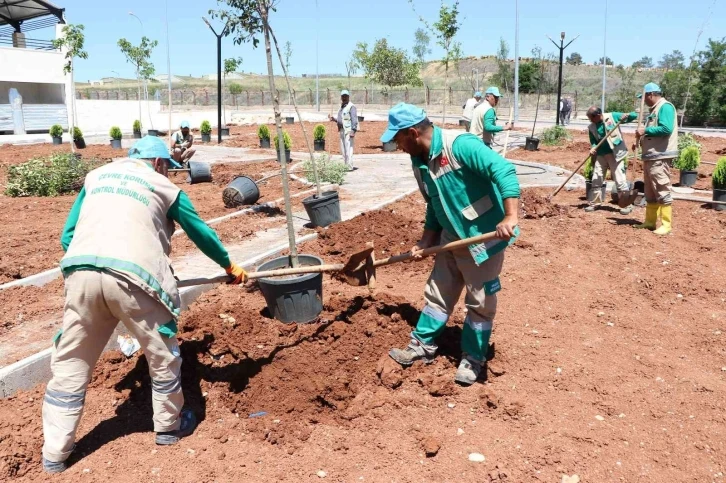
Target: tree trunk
point(278, 124)
point(446, 92)
point(73, 110)
point(138, 80)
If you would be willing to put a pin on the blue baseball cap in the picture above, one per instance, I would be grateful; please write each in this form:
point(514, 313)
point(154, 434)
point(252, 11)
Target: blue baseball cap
point(493, 91)
point(344, 92)
point(650, 87)
point(151, 147)
point(477, 94)
point(184, 124)
point(402, 116)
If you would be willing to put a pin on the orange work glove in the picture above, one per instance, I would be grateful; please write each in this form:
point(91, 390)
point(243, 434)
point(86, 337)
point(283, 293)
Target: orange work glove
point(239, 274)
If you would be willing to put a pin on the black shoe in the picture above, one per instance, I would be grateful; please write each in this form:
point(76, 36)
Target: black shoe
point(54, 467)
point(187, 426)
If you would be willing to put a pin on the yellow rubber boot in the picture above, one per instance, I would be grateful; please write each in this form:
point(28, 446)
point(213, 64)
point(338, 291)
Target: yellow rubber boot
point(666, 219)
point(651, 216)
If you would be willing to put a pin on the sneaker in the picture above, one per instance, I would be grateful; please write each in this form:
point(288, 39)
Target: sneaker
point(590, 208)
point(53, 466)
point(627, 210)
point(187, 426)
point(468, 371)
point(414, 352)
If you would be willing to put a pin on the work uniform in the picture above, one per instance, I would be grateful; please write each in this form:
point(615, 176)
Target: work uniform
point(179, 138)
point(464, 185)
point(117, 240)
point(347, 124)
point(469, 111)
point(659, 146)
point(484, 122)
point(610, 155)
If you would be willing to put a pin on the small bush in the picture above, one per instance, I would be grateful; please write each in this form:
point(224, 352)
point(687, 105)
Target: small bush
point(719, 175)
point(77, 133)
point(115, 132)
point(56, 131)
point(687, 140)
point(328, 171)
point(263, 132)
point(137, 126)
point(689, 159)
point(588, 169)
point(319, 132)
point(287, 141)
point(554, 136)
point(51, 176)
point(205, 127)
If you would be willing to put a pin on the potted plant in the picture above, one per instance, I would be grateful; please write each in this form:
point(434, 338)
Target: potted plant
point(206, 130)
point(263, 132)
point(137, 129)
point(361, 118)
point(290, 119)
point(319, 137)
point(56, 132)
point(116, 136)
point(324, 209)
point(719, 184)
point(287, 141)
point(78, 138)
point(687, 162)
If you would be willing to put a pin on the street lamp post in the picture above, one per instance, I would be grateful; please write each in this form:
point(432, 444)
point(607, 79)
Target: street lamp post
point(516, 60)
point(562, 48)
point(168, 60)
point(604, 57)
point(317, 64)
point(219, 76)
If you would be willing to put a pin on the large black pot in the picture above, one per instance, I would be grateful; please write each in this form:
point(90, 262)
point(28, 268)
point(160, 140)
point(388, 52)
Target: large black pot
point(361, 118)
point(240, 191)
point(319, 145)
point(265, 143)
point(153, 132)
point(531, 143)
point(462, 122)
point(290, 120)
point(324, 210)
point(225, 131)
point(206, 138)
point(116, 143)
point(719, 195)
point(287, 156)
point(80, 143)
point(389, 146)
point(293, 299)
point(199, 172)
point(688, 178)
point(57, 140)
point(137, 134)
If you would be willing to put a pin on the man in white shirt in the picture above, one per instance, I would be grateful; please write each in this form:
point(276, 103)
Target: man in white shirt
point(469, 108)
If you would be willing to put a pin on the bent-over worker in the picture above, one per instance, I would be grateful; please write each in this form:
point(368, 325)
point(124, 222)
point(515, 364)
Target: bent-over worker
point(117, 240)
point(347, 127)
point(610, 155)
point(469, 190)
point(659, 144)
point(468, 107)
point(181, 144)
point(484, 118)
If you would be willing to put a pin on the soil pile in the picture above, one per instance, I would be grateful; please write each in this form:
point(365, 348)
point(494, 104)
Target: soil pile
point(535, 204)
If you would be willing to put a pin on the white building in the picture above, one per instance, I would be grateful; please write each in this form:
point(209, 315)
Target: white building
point(35, 93)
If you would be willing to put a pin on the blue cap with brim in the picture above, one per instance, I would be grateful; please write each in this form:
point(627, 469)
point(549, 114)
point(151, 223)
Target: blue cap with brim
point(477, 94)
point(184, 124)
point(151, 147)
point(344, 92)
point(493, 91)
point(402, 116)
point(650, 87)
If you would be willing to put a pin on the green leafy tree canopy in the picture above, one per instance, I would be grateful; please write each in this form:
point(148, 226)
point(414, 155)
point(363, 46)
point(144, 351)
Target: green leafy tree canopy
point(139, 56)
point(388, 65)
point(574, 59)
point(72, 40)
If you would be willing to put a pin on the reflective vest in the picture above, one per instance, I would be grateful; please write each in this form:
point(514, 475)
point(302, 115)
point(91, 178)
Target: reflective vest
point(660, 147)
point(615, 140)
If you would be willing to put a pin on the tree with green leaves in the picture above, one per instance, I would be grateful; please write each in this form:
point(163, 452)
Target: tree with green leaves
point(230, 65)
point(360, 58)
point(608, 61)
point(504, 77)
point(644, 63)
point(673, 61)
point(709, 100)
point(388, 66)
point(72, 42)
point(139, 56)
point(623, 100)
point(351, 67)
point(421, 49)
point(574, 59)
point(288, 55)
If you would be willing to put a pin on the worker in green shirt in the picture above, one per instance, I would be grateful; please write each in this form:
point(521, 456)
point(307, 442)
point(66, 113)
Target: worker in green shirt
point(610, 155)
point(469, 190)
point(659, 144)
point(484, 118)
point(117, 240)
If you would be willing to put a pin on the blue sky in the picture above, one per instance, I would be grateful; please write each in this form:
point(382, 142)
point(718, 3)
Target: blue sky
point(664, 26)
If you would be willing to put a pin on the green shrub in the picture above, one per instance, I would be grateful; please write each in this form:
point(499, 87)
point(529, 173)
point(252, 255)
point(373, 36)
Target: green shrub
point(687, 140)
point(319, 132)
point(51, 176)
point(77, 133)
point(56, 131)
point(263, 132)
point(115, 133)
point(689, 159)
point(287, 141)
point(205, 127)
point(588, 169)
point(137, 126)
point(328, 171)
point(554, 136)
point(719, 175)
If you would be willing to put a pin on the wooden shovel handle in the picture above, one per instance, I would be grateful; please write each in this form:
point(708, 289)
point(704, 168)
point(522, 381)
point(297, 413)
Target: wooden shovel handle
point(506, 138)
point(438, 249)
point(268, 273)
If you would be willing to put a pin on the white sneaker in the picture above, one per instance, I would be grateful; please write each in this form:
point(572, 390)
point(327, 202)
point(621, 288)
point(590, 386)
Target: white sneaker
point(468, 371)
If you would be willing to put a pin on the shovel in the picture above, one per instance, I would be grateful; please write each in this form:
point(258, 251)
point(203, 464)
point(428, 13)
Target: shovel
point(627, 199)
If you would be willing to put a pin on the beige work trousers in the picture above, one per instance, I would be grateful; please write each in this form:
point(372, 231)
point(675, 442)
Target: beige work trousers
point(657, 176)
point(603, 162)
point(347, 144)
point(95, 302)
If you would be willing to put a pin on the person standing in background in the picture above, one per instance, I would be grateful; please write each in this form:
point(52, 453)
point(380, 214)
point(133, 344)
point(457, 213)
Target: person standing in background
point(347, 120)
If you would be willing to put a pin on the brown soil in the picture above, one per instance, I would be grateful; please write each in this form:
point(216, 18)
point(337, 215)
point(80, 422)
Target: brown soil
point(34, 306)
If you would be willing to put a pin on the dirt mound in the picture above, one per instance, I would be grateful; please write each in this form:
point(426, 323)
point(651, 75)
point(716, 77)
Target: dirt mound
point(535, 204)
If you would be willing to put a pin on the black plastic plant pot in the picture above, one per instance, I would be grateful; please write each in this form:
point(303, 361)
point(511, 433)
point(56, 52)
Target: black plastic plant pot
point(265, 143)
point(290, 120)
point(57, 140)
point(688, 178)
point(531, 143)
point(361, 118)
point(323, 210)
point(80, 143)
point(137, 134)
point(296, 299)
point(389, 147)
point(319, 145)
point(225, 131)
point(719, 195)
point(241, 191)
point(206, 138)
point(462, 122)
point(153, 132)
point(199, 172)
point(287, 155)
point(116, 143)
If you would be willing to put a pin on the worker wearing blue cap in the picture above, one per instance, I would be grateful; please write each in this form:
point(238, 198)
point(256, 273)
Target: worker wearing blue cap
point(469, 190)
point(347, 120)
point(484, 119)
point(468, 107)
point(659, 144)
point(117, 240)
point(181, 144)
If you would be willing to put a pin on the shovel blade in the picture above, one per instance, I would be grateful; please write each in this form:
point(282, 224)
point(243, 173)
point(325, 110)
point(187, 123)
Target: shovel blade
point(354, 272)
point(627, 198)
